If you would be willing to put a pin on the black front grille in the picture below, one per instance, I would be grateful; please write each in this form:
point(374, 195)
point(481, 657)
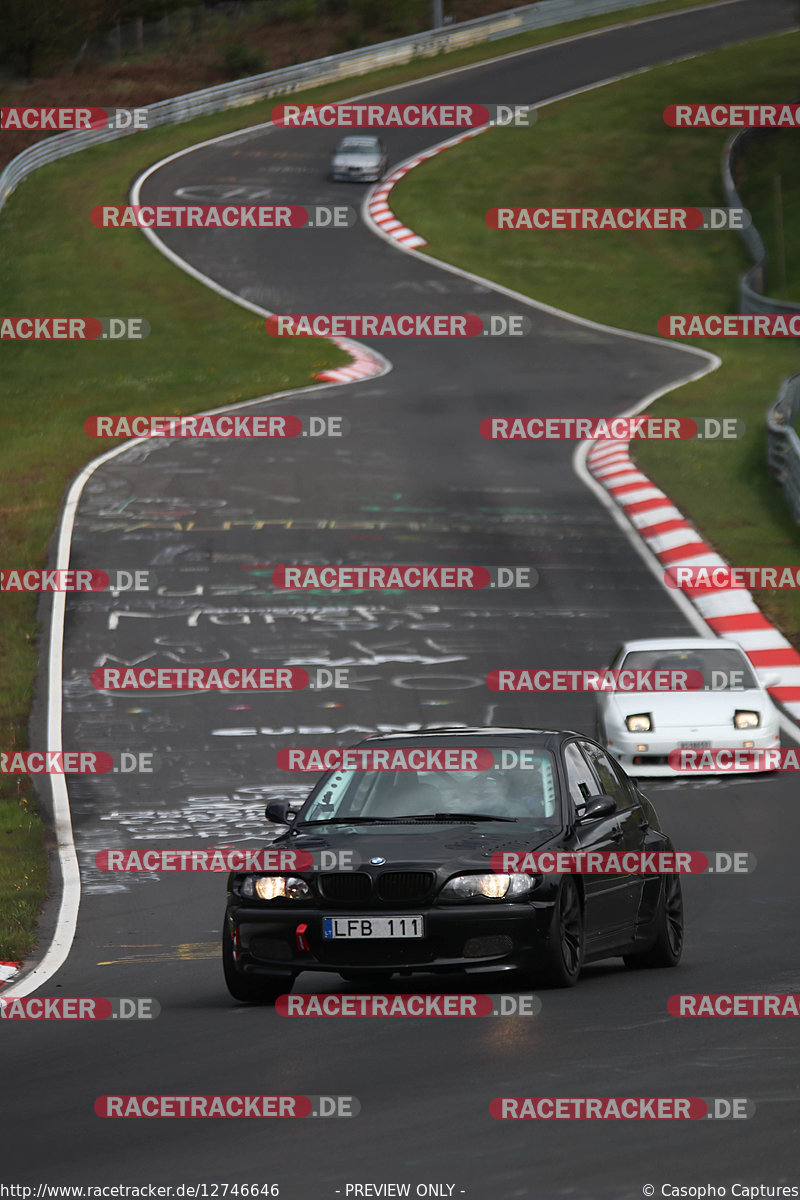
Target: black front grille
point(393, 886)
point(346, 885)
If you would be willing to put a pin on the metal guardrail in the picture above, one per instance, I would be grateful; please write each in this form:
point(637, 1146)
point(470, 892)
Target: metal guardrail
point(755, 281)
point(783, 444)
point(285, 80)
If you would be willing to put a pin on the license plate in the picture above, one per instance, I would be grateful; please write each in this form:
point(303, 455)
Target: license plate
point(694, 745)
point(373, 927)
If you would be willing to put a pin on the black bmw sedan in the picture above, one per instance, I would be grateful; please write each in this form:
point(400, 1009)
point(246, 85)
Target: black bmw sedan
point(402, 860)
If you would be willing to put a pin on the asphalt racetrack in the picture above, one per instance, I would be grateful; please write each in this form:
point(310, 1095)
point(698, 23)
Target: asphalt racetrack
point(412, 482)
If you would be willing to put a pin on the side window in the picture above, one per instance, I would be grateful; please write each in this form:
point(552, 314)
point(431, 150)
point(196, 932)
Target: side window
point(611, 783)
point(581, 780)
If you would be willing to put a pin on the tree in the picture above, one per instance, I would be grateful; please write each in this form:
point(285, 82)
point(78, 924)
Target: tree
point(34, 32)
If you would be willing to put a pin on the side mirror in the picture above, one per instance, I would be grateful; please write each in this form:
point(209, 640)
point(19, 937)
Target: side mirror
point(771, 680)
point(597, 807)
point(279, 812)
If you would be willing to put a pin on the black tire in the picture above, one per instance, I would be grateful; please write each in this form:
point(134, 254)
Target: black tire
point(668, 945)
point(249, 989)
point(561, 965)
point(363, 977)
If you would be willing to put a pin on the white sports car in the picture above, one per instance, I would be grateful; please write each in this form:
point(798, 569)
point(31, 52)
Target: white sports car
point(732, 709)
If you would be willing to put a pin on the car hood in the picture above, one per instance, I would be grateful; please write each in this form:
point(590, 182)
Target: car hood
point(428, 846)
point(356, 160)
point(679, 710)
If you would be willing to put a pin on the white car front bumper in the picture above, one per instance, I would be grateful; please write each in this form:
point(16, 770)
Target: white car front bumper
point(654, 760)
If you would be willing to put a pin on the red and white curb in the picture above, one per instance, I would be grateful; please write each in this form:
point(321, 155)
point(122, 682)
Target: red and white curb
point(377, 202)
point(730, 613)
point(365, 364)
point(7, 971)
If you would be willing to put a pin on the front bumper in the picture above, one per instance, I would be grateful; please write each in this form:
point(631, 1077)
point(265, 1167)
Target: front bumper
point(356, 175)
point(654, 761)
point(461, 938)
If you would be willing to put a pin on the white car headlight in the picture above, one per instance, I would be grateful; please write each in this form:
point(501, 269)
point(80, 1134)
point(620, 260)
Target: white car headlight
point(639, 723)
point(744, 719)
point(275, 887)
point(494, 887)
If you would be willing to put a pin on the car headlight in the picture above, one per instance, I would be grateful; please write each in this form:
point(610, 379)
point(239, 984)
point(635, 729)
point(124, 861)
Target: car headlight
point(275, 887)
point(493, 887)
point(744, 719)
point(639, 723)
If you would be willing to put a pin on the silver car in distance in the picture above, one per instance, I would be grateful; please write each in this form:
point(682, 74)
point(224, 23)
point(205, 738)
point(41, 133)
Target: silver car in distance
point(359, 158)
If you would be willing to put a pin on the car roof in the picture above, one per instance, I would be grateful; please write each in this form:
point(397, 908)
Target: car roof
point(449, 735)
point(359, 140)
point(679, 643)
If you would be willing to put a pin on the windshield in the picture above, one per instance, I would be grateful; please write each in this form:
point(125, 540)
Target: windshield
point(723, 670)
point(501, 793)
point(351, 146)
